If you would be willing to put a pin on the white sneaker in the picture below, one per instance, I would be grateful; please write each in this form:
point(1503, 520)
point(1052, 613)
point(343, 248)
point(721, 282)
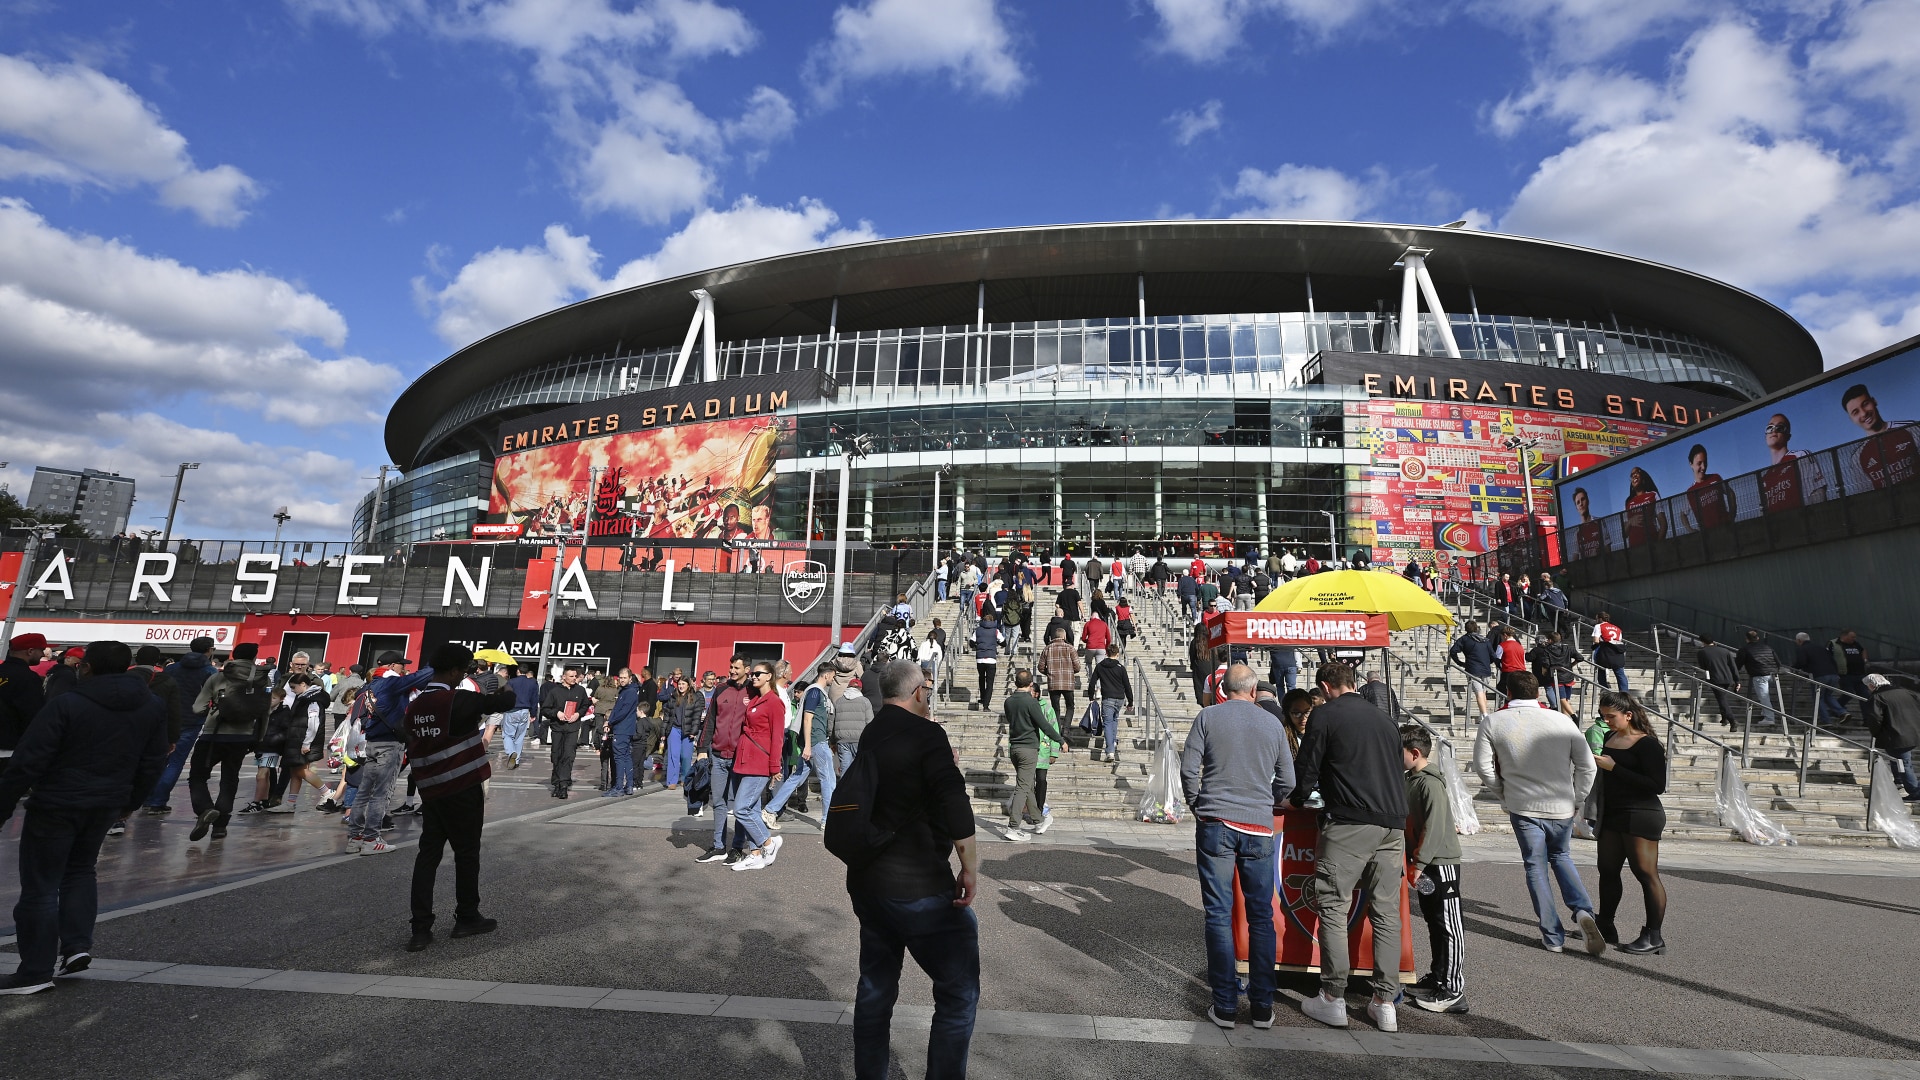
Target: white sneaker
point(353, 846)
point(1590, 931)
point(1383, 1015)
point(376, 847)
point(1329, 1011)
point(283, 808)
point(773, 848)
point(1046, 822)
point(754, 861)
point(771, 819)
point(1018, 836)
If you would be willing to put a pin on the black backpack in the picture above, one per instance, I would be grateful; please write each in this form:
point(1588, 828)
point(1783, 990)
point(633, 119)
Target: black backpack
point(850, 832)
point(245, 701)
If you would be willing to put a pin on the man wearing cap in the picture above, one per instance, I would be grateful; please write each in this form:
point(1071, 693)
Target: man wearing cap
point(89, 756)
point(66, 675)
point(189, 674)
point(228, 737)
point(450, 768)
point(21, 691)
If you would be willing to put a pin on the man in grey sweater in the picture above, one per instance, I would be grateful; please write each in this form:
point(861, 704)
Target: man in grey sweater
point(1235, 772)
point(1536, 762)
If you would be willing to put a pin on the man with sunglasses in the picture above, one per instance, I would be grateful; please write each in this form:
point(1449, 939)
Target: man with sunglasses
point(1793, 479)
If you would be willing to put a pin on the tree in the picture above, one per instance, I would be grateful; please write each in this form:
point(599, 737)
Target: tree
point(13, 514)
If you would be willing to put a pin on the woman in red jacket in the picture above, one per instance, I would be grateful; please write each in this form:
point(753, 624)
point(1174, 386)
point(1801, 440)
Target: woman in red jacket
point(756, 758)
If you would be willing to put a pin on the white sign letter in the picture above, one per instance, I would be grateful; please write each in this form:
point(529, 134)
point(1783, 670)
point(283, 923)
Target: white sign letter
point(577, 590)
point(55, 578)
point(476, 590)
point(666, 592)
point(153, 581)
point(348, 579)
point(268, 577)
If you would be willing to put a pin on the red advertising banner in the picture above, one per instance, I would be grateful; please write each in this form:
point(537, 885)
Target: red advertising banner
point(535, 595)
point(1296, 837)
point(1321, 628)
point(10, 562)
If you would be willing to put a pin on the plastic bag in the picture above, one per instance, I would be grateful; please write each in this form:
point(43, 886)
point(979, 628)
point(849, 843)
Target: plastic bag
point(1466, 820)
point(1737, 812)
point(1163, 804)
point(1887, 812)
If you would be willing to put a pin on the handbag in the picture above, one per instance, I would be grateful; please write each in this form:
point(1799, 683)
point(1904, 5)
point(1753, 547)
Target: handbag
point(1090, 719)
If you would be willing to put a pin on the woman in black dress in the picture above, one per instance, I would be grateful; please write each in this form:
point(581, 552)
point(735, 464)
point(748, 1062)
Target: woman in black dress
point(1633, 774)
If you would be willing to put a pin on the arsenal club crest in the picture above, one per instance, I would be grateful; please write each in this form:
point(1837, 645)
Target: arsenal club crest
point(806, 583)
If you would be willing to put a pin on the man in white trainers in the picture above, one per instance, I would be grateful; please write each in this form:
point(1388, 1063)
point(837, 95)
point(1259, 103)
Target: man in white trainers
point(1351, 756)
point(1536, 762)
point(1026, 720)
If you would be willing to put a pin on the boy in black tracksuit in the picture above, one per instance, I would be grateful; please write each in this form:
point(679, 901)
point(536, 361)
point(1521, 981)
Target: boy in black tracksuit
point(1435, 849)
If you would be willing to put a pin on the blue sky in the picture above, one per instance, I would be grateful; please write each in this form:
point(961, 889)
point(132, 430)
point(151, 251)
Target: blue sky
point(230, 232)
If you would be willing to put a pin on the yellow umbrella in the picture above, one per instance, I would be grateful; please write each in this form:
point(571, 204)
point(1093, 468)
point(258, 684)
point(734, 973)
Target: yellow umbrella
point(1360, 592)
point(492, 656)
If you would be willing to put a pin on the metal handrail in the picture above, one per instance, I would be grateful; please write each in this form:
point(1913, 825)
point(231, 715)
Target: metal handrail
point(916, 594)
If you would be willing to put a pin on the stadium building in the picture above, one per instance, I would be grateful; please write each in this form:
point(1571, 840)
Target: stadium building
point(1193, 385)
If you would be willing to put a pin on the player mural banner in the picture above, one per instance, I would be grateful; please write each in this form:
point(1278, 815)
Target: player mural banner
point(1851, 431)
point(701, 481)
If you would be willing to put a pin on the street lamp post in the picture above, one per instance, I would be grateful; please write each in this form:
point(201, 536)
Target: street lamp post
point(1523, 446)
point(559, 571)
point(280, 518)
point(179, 477)
point(937, 474)
point(851, 447)
point(1333, 538)
point(1093, 546)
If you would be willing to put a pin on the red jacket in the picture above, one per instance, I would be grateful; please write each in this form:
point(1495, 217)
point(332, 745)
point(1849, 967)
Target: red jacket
point(1512, 656)
point(761, 737)
point(1096, 635)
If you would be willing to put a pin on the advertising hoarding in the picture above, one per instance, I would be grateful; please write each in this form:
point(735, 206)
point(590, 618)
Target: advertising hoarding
point(1852, 430)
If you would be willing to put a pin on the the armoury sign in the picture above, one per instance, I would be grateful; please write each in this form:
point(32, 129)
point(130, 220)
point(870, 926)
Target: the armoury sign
point(728, 399)
point(1495, 383)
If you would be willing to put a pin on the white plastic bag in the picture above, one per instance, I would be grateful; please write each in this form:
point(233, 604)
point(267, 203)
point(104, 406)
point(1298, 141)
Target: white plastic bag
point(1887, 812)
point(1163, 804)
point(1737, 812)
point(1466, 820)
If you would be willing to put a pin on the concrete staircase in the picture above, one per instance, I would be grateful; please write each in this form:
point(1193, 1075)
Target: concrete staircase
point(1831, 811)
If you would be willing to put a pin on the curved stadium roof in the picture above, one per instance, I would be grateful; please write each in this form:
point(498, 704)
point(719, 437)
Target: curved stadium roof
point(1089, 271)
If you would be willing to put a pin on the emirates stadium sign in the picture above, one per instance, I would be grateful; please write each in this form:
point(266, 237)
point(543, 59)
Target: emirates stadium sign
point(1297, 628)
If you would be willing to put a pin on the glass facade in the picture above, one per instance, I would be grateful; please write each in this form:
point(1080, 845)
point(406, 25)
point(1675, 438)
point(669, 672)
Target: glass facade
point(441, 499)
point(1078, 350)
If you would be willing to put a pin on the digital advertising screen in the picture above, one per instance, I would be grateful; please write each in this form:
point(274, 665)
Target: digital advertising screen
point(698, 481)
point(1852, 431)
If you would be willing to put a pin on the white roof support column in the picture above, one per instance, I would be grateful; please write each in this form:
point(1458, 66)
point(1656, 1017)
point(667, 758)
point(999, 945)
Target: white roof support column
point(702, 319)
point(1410, 304)
point(710, 364)
point(1433, 305)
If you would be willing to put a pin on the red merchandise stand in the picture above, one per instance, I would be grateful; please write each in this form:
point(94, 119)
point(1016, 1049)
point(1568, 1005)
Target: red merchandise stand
point(1296, 835)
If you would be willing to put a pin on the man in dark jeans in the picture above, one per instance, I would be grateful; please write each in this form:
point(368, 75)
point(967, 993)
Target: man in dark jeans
point(90, 756)
point(1235, 771)
point(908, 897)
point(565, 706)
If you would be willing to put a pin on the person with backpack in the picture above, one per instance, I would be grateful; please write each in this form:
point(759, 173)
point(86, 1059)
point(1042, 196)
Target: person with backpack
point(1610, 651)
point(236, 703)
point(381, 715)
point(901, 812)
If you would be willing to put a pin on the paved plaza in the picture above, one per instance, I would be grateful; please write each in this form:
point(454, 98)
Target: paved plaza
point(618, 955)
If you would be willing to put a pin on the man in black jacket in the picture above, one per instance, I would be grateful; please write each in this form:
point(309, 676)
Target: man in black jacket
point(189, 674)
point(1761, 664)
point(1893, 715)
point(565, 706)
point(22, 691)
point(1351, 755)
point(89, 757)
point(1723, 676)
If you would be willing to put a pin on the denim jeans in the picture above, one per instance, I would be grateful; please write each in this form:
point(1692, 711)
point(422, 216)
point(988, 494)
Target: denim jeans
point(1544, 843)
point(942, 585)
point(1831, 707)
point(1620, 677)
point(1284, 677)
point(380, 763)
point(622, 764)
point(58, 894)
point(720, 779)
point(843, 756)
point(679, 753)
point(1762, 691)
point(744, 797)
point(513, 732)
point(1904, 766)
point(821, 765)
point(176, 764)
point(945, 942)
point(1221, 853)
point(1110, 719)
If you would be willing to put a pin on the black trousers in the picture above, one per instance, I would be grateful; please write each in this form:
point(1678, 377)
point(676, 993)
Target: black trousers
point(229, 756)
point(1063, 715)
point(566, 740)
point(455, 821)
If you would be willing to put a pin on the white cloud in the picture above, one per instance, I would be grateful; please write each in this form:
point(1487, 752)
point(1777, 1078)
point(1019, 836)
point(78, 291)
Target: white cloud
point(233, 493)
point(1204, 30)
point(70, 123)
point(1309, 193)
point(640, 173)
point(504, 286)
point(966, 39)
point(1721, 175)
point(1592, 29)
point(1190, 124)
point(97, 321)
point(1874, 57)
point(1849, 324)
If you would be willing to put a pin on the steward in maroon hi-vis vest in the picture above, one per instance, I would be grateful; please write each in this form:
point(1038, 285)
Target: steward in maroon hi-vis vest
point(443, 738)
